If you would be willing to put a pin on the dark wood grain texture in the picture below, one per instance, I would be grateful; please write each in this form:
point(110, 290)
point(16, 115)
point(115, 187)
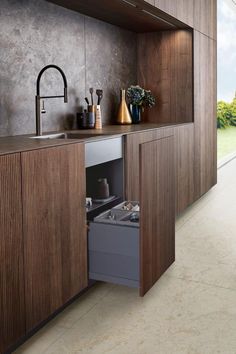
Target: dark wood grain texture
point(12, 319)
point(132, 173)
point(165, 67)
point(20, 143)
point(205, 114)
point(54, 223)
point(134, 15)
point(180, 9)
point(205, 17)
point(157, 210)
point(184, 162)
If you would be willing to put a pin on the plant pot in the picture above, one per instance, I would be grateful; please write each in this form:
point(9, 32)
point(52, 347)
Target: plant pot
point(136, 113)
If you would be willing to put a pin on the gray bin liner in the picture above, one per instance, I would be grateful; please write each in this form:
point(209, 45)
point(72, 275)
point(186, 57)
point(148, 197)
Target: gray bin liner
point(114, 250)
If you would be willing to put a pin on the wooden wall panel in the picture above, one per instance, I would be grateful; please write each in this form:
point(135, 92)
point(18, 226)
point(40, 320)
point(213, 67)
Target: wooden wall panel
point(157, 210)
point(165, 66)
point(205, 17)
point(205, 113)
point(12, 316)
point(54, 221)
point(181, 9)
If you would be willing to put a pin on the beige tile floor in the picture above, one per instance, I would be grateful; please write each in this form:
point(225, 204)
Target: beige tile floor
point(192, 309)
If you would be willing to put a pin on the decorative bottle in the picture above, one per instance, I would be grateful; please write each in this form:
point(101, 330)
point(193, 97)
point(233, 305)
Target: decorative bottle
point(123, 116)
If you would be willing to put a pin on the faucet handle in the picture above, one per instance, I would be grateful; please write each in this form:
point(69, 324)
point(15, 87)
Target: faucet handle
point(43, 110)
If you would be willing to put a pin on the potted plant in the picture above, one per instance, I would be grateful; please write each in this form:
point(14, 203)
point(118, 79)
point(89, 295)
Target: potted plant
point(138, 99)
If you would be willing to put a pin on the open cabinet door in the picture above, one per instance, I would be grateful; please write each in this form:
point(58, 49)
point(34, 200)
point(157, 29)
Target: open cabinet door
point(157, 202)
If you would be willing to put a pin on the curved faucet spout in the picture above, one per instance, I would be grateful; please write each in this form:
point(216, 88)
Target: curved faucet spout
point(62, 74)
point(38, 97)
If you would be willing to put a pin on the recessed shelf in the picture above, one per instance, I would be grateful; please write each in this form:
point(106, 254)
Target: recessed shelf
point(134, 15)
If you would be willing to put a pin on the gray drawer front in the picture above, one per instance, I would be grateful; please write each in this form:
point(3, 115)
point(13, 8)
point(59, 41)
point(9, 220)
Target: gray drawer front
point(102, 151)
point(114, 239)
point(114, 265)
point(114, 253)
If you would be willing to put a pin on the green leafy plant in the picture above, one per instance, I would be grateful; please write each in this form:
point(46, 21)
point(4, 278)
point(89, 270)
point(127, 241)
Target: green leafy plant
point(138, 96)
point(226, 114)
point(223, 114)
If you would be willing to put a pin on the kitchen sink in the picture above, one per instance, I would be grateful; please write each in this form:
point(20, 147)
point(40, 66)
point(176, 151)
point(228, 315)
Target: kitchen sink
point(66, 136)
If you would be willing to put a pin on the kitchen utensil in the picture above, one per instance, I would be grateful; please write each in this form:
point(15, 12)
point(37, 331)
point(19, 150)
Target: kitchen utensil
point(87, 101)
point(98, 121)
point(91, 93)
point(99, 93)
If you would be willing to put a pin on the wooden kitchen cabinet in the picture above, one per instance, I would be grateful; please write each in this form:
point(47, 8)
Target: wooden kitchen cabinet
point(138, 254)
point(184, 163)
point(54, 226)
point(157, 210)
point(205, 131)
point(184, 157)
point(183, 10)
point(132, 171)
point(12, 312)
point(205, 17)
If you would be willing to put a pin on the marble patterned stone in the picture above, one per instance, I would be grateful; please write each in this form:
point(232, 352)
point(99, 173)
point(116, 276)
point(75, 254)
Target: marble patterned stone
point(34, 33)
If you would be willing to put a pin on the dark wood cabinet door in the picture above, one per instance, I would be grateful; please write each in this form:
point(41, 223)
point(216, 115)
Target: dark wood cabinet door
point(184, 154)
point(132, 171)
point(205, 102)
point(12, 316)
point(157, 210)
point(54, 223)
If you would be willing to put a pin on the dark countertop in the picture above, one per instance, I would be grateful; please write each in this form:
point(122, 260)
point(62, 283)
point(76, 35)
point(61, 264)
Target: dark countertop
point(19, 143)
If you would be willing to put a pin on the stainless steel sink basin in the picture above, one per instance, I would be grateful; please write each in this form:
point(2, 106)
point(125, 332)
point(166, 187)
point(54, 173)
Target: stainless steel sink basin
point(66, 136)
point(49, 136)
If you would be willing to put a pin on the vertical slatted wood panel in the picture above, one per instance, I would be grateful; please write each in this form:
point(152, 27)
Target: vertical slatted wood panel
point(165, 66)
point(184, 163)
point(157, 210)
point(12, 319)
point(205, 114)
point(132, 173)
point(54, 221)
point(184, 150)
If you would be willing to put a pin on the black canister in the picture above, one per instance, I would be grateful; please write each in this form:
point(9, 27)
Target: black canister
point(103, 189)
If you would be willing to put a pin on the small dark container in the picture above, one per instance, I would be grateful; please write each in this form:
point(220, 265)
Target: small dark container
point(86, 120)
point(135, 111)
point(103, 188)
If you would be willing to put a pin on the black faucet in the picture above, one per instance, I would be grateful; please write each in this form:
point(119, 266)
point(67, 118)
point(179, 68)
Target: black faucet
point(38, 97)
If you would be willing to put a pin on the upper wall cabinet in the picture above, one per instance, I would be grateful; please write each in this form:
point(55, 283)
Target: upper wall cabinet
point(134, 15)
point(205, 17)
point(165, 66)
point(181, 9)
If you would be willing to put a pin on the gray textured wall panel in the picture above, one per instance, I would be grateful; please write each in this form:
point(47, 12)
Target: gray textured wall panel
point(91, 53)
